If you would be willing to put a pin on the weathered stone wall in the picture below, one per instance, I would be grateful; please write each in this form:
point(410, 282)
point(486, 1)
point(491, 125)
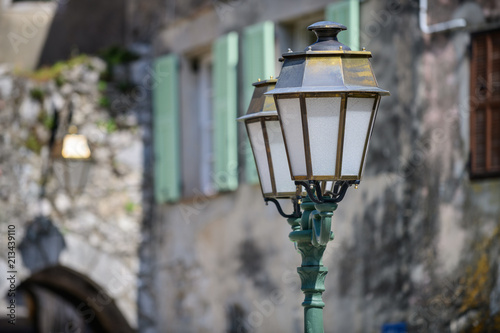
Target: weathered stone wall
point(97, 232)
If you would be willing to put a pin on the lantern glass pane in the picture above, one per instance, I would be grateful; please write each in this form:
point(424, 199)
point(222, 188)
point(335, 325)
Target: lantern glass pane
point(284, 183)
point(259, 152)
point(291, 119)
point(323, 124)
point(357, 121)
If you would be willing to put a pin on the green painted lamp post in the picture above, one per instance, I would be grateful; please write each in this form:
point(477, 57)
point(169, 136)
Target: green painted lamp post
point(314, 138)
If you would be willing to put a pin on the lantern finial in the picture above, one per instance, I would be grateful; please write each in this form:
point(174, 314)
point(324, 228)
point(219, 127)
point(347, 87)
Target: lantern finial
point(326, 32)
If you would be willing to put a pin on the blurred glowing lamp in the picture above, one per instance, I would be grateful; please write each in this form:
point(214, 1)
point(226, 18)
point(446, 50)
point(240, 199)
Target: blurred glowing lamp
point(73, 165)
point(75, 146)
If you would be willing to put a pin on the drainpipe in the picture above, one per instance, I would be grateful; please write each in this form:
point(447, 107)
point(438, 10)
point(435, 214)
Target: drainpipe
point(438, 27)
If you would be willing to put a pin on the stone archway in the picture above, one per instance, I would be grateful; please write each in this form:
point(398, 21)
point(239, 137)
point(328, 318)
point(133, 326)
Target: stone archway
point(63, 300)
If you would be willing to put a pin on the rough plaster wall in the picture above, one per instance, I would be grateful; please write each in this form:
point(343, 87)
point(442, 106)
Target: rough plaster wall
point(223, 256)
point(418, 239)
point(190, 32)
point(100, 227)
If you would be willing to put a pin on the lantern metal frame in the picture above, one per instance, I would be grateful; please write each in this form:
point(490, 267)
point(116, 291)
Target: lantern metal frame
point(261, 110)
point(341, 131)
point(261, 118)
point(326, 69)
point(272, 196)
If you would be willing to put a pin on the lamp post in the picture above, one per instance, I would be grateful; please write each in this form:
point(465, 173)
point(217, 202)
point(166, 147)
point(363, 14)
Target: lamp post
point(326, 100)
point(73, 159)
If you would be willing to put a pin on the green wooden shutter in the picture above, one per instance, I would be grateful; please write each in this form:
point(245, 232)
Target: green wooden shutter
point(346, 12)
point(258, 63)
point(225, 79)
point(166, 129)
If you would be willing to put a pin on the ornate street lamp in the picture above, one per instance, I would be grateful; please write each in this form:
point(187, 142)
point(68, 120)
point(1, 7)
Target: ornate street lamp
point(326, 99)
point(73, 162)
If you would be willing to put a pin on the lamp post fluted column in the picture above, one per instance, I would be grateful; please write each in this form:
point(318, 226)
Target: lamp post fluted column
point(311, 233)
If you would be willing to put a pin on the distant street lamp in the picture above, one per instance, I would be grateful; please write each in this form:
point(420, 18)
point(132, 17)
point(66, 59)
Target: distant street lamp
point(73, 162)
point(326, 100)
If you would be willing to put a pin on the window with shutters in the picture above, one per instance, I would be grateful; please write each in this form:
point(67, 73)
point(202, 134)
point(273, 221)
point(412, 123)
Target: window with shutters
point(485, 105)
point(166, 129)
point(225, 105)
point(197, 124)
point(346, 12)
point(258, 62)
point(195, 110)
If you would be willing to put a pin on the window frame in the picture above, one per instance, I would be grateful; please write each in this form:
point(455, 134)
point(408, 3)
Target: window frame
point(196, 124)
point(206, 124)
point(489, 104)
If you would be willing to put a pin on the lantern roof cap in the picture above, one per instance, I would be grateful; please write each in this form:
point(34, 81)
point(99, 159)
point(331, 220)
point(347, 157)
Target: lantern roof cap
point(327, 66)
point(260, 102)
point(336, 73)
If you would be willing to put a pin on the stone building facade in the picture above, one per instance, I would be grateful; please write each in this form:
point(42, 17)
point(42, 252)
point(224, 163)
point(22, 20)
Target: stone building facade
point(172, 240)
point(417, 243)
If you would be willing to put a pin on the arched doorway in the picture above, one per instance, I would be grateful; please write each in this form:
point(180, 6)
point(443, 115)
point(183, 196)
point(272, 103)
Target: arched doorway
point(60, 300)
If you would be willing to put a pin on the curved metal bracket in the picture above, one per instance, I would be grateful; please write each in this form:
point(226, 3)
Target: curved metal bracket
point(313, 189)
point(321, 228)
point(296, 208)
